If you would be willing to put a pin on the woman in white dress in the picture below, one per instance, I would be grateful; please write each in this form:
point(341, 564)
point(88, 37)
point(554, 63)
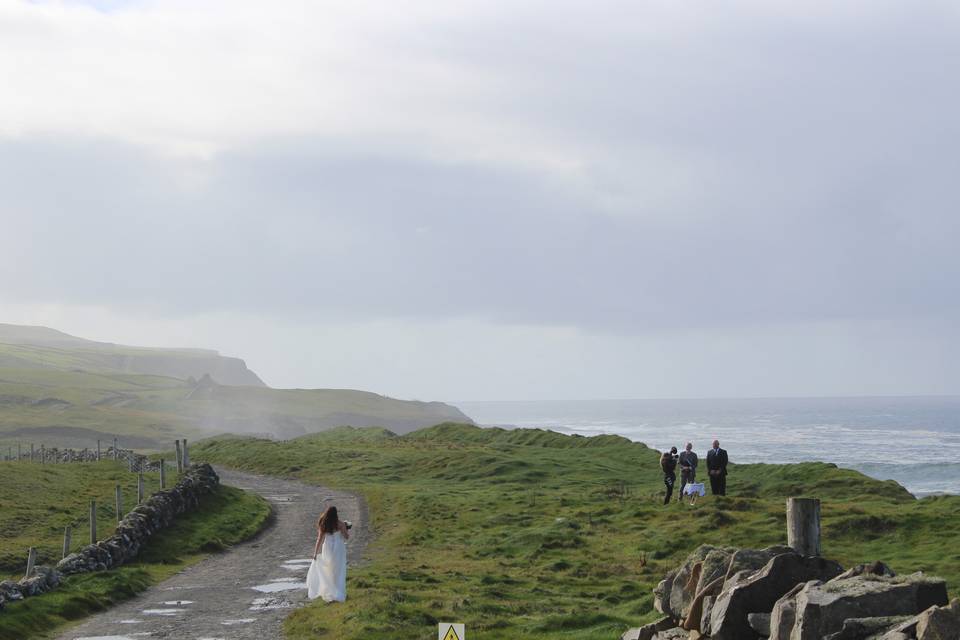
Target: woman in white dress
point(327, 577)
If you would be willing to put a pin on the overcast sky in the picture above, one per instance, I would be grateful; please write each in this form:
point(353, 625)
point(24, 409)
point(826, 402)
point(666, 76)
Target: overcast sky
point(494, 200)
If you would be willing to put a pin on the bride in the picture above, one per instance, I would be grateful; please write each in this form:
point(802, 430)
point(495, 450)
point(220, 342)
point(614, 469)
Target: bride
point(327, 577)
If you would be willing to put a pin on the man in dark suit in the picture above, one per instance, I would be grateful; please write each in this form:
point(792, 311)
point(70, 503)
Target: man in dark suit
point(717, 469)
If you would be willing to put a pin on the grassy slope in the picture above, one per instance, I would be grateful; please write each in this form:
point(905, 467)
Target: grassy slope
point(224, 518)
point(38, 501)
point(149, 412)
point(531, 534)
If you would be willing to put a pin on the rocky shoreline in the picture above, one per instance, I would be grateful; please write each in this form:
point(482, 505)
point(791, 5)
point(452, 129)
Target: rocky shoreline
point(723, 593)
point(133, 531)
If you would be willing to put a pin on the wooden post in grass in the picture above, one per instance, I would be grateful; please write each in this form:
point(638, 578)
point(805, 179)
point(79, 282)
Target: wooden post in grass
point(93, 522)
point(31, 452)
point(19, 455)
point(186, 455)
point(163, 474)
point(43, 454)
point(116, 452)
point(31, 560)
point(139, 488)
point(119, 501)
point(66, 541)
point(179, 458)
point(98, 451)
point(803, 525)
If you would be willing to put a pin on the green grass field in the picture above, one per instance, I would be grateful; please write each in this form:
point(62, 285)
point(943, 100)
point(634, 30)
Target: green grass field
point(36, 502)
point(530, 534)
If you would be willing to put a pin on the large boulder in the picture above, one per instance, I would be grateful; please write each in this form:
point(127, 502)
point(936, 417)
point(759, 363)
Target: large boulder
point(940, 623)
point(861, 628)
point(820, 609)
point(683, 586)
point(784, 613)
point(759, 592)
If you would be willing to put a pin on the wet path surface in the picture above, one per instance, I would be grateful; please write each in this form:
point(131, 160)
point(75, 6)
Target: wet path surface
point(245, 592)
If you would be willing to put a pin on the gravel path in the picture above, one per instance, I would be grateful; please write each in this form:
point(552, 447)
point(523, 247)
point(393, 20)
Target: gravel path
point(245, 592)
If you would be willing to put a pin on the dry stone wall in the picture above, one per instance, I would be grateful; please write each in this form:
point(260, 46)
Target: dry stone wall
point(133, 531)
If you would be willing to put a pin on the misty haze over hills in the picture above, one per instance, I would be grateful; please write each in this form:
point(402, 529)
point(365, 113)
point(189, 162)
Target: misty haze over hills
point(61, 390)
point(44, 347)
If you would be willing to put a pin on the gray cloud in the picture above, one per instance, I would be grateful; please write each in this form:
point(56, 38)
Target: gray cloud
point(624, 170)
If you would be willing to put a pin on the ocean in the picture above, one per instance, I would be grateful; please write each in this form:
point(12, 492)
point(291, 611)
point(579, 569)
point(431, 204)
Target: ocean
point(913, 440)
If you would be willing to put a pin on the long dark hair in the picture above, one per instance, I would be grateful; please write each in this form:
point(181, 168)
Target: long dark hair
point(329, 522)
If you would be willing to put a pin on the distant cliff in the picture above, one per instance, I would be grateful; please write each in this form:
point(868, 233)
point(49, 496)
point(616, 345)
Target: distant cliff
point(41, 347)
point(66, 391)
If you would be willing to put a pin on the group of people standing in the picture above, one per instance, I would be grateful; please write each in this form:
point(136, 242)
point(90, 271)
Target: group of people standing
point(688, 460)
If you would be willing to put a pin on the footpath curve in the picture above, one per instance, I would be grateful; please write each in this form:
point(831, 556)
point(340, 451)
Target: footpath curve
point(245, 592)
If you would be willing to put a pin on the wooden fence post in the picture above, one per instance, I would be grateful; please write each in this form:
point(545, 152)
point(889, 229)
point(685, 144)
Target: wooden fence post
point(19, 455)
point(139, 488)
point(115, 452)
point(119, 501)
point(66, 541)
point(43, 454)
point(186, 455)
point(31, 452)
point(93, 522)
point(803, 525)
point(163, 474)
point(31, 560)
point(179, 458)
point(98, 451)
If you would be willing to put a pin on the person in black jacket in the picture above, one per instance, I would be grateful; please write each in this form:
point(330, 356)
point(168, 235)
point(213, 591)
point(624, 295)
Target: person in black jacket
point(717, 469)
point(668, 463)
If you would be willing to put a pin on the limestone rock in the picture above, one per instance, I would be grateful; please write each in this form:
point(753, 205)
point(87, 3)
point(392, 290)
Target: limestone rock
point(684, 585)
point(760, 623)
point(649, 631)
point(821, 609)
point(705, 616)
point(940, 623)
point(861, 628)
point(876, 568)
point(758, 592)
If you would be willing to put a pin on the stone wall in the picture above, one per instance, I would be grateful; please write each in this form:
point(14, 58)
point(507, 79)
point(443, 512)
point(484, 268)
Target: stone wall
point(56, 455)
point(133, 531)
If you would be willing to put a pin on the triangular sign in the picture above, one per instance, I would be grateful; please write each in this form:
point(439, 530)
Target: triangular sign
point(451, 634)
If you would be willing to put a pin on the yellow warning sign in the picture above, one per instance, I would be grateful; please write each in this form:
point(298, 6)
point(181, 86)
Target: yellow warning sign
point(451, 631)
point(451, 634)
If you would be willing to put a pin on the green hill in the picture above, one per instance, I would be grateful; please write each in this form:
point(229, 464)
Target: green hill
point(59, 390)
point(530, 534)
point(40, 347)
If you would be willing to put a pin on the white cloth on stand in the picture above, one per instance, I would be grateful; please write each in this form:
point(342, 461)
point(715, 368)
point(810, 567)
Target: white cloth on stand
point(327, 577)
point(695, 488)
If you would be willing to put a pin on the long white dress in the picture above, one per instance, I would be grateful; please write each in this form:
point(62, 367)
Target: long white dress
point(327, 577)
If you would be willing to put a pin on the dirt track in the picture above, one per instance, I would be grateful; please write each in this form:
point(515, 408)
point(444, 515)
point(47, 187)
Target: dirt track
point(244, 593)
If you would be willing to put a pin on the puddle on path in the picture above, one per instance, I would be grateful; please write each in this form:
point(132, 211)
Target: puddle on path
point(273, 587)
point(162, 612)
point(177, 602)
point(130, 637)
point(269, 604)
point(129, 621)
point(230, 623)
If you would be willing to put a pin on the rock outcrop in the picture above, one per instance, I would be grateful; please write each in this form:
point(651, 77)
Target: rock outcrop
point(721, 593)
point(133, 531)
point(820, 609)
